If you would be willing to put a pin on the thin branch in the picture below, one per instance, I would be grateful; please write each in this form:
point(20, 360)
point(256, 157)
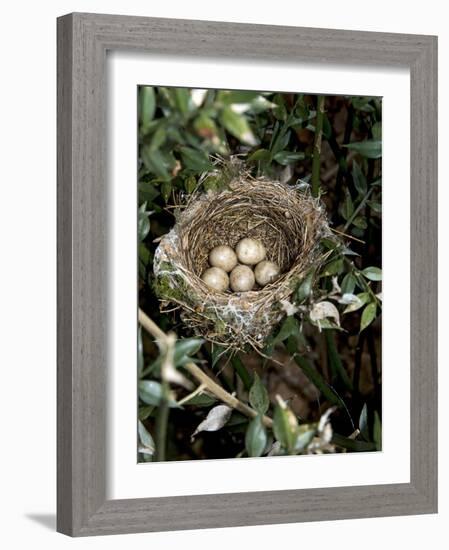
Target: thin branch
point(150, 326)
point(316, 161)
point(357, 210)
point(199, 390)
point(347, 235)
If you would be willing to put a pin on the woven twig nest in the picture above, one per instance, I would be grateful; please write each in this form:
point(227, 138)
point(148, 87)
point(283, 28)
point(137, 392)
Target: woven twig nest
point(289, 222)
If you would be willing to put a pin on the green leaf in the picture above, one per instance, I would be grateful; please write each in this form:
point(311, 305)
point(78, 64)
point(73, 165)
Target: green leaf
point(359, 179)
point(305, 288)
point(352, 444)
point(143, 225)
point(258, 396)
point(285, 427)
point(363, 298)
point(348, 252)
point(281, 142)
point(166, 190)
point(150, 392)
point(371, 149)
point(348, 284)
point(376, 130)
point(363, 423)
point(211, 183)
point(145, 411)
point(260, 104)
point(147, 445)
point(256, 437)
point(279, 111)
point(245, 100)
point(186, 347)
point(201, 400)
point(333, 268)
point(260, 155)
point(375, 206)
point(290, 327)
point(238, 126)
point(147, 191)
point(330, 244)
point(362, 104)
point(205, 126)
point(144, 254)
point(158, 138)
point(288, 157)
point(368, 316)
point(147, 104)
point(228, 97)
point(372, 273)
point(195, 160)
point(360, 222)
point(183, 100)
point(217, 352)
point(155, 162)
point(190, 184)
point(347, 207)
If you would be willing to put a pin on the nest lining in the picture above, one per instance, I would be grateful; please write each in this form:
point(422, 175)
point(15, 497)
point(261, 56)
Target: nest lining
point(288, 222)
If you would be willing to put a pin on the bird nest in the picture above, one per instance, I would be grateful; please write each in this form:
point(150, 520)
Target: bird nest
point(288, 221)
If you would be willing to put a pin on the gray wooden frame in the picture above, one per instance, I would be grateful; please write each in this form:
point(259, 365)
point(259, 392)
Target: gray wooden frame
point(83, 40)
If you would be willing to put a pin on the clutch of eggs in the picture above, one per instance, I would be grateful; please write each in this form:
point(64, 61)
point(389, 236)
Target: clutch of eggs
point(239, 269)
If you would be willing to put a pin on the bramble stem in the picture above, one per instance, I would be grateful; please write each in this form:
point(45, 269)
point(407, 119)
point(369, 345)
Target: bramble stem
point(150, 326)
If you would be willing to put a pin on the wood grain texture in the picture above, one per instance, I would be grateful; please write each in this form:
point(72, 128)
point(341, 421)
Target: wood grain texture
point(83, 40)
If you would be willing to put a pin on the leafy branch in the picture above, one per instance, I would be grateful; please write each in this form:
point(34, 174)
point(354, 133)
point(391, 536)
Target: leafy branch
point(150, 326)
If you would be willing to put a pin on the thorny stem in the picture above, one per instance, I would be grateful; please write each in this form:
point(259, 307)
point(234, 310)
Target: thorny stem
point(150, 326)
point(316, 161)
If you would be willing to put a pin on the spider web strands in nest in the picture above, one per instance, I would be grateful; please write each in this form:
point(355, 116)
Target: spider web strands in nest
point(289, 222)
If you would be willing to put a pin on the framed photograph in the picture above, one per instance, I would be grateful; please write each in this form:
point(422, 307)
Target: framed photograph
point(247, 288)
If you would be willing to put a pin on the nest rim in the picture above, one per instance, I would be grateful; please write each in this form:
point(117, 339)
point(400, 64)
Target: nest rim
point(260, 307)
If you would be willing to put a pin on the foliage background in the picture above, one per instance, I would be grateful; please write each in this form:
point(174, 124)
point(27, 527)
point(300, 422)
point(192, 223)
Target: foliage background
point(335, 364)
